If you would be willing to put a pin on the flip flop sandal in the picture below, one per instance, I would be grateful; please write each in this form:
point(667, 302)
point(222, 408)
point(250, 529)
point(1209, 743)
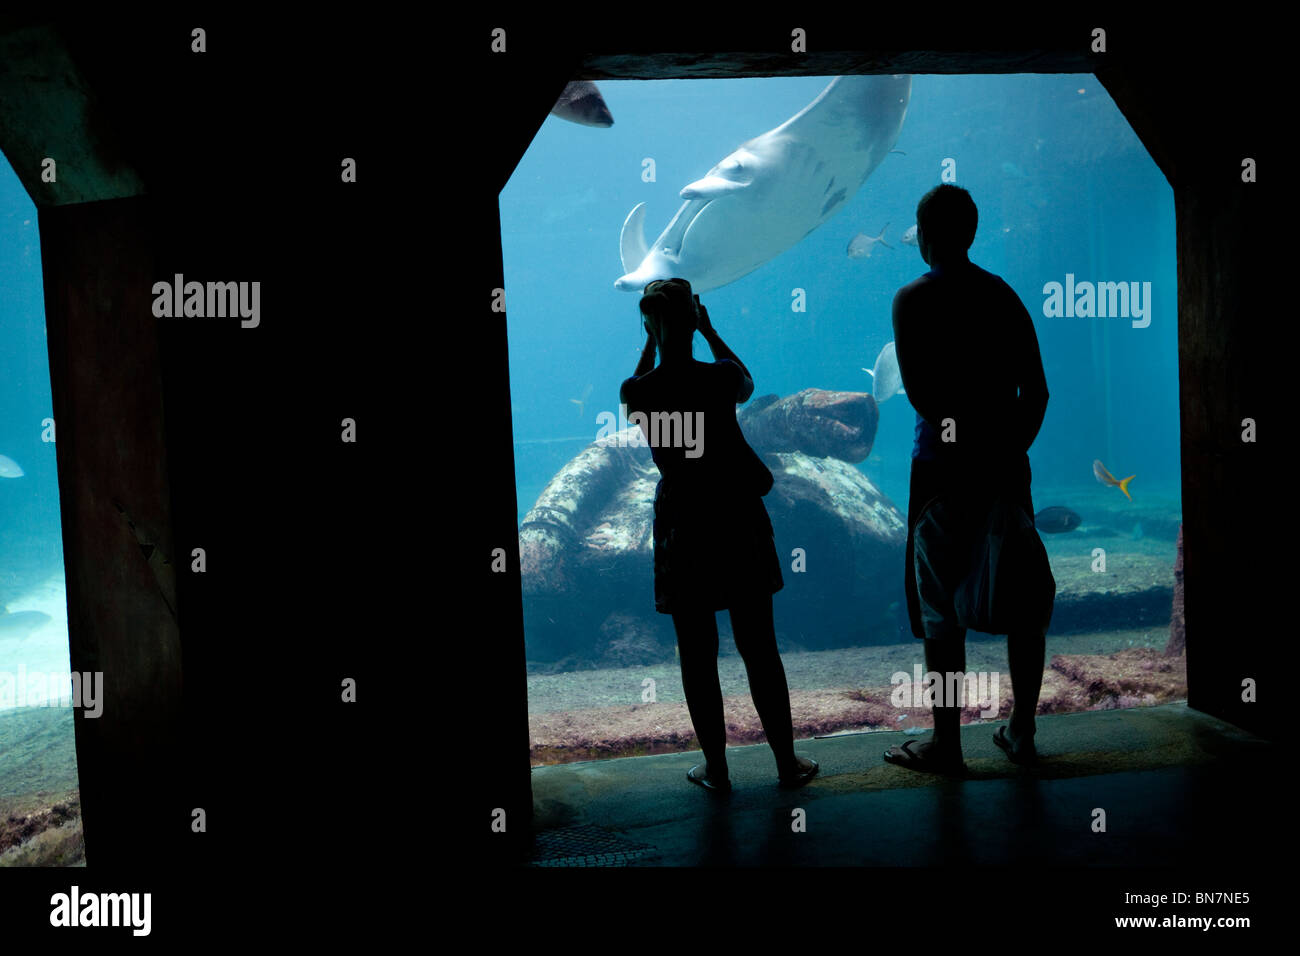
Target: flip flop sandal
point(1004, 742)
point(914, 761)
point(799, 779)
point(706, 782)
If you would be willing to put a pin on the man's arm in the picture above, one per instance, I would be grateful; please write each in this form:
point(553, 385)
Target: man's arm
point(908, 349)
point(1031, 402)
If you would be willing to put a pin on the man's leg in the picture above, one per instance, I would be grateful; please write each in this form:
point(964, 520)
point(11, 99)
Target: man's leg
point(943, 656)
point(1026, 653)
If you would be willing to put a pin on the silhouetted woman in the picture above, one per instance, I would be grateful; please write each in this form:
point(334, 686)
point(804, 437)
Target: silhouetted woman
point(713, 544)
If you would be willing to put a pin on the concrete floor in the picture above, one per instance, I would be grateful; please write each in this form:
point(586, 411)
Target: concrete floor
point(1176, 787)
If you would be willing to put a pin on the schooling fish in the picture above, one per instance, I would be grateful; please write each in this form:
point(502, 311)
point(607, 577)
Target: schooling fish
point(1106, 478)
point(19, 625)
point(10, 468)
point(860, 246)
point(909, 237)
point(1056, 519)
point(582, 103)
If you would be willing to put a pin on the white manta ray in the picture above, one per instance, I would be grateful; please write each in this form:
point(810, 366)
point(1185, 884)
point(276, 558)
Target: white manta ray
point(773, 190)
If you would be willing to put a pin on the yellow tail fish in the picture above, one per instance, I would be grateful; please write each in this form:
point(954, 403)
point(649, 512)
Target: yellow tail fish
point(1106, 478)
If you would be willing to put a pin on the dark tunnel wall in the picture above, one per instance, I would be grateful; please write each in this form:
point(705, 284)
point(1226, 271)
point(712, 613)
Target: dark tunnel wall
point(227, 439)
point(105, 371)
point(479, 115)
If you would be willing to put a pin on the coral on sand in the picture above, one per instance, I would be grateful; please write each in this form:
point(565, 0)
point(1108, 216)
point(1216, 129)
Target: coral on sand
point(1139, 676)
point(41, 830)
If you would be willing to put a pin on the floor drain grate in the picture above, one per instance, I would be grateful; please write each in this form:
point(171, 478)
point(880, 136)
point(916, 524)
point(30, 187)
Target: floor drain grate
point(586, 846)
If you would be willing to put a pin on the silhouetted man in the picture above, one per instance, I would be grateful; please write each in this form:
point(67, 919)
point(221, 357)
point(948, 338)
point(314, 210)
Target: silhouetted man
point(970, 365)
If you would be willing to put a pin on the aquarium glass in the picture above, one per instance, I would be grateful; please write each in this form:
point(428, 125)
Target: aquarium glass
point(38, 768)
point(1066, 194)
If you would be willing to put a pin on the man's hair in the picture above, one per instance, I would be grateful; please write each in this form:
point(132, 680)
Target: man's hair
point(946, 217)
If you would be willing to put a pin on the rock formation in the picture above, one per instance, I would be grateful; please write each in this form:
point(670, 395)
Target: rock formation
point(586, 546)
point(821, 423)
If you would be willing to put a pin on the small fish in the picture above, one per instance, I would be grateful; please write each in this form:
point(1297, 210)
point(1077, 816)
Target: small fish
point(1106, 478)
point(860, 246)
point(582, 402)
point(1136, 534)
point(581, 103)
point(1056, 519)
point(909, 237)
point(886, 380)
point(20, 625)
point(10, 468)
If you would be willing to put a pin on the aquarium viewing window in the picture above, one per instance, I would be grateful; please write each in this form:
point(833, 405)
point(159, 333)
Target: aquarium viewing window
point(40, 822)
point(1073, 215)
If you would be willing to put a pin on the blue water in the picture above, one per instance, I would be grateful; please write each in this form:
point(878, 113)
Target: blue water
point(29, 506)
point(31, 543)
point(1062, 183)
point(1063, 187)
point(38, 759)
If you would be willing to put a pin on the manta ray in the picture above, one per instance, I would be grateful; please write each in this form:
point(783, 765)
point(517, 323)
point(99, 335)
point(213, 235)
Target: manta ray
point(773, 190)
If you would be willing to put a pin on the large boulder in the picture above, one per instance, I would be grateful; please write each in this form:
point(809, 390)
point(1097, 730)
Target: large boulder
point(586, 553)
point(820, 422)
point(586, 547)
point(849, 539)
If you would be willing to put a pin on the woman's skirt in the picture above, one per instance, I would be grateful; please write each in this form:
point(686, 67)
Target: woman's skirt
point(712, 557)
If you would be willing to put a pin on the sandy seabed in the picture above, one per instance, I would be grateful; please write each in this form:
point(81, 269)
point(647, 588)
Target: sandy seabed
point(40, 804)
point(588, 714)
point(584, 715)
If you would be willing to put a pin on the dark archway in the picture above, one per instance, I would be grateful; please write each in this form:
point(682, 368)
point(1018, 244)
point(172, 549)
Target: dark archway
point(1221, 365)
point(1198, 121)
